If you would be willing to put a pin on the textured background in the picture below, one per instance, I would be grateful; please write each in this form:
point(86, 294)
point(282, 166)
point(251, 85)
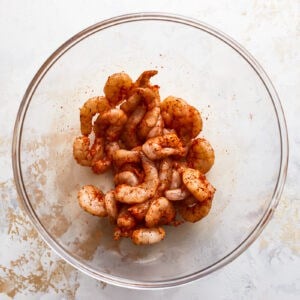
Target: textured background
point(31, 30)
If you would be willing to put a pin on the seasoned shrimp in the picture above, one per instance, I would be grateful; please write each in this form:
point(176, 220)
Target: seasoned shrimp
point(142, 192)
point(139, 210)
point(163, 146)
point(164, 174)
point(148, 123)
point(91, 199)
point(182, 117)
point(148, 236)
point(192, 210)
point(101, 165)
point(86, 155)
point(197, 184)
point(177, 194)
point(144, 78)
point(126, 177)
point(161, 211)
point(110, 124)
point(123, 156)
point(90, 108)
point(117, 87)
point(130, 105)
point(149, 97)
point(125, 219)
point(111, 148)
point(201, 155)
point(133, 168)
point(175, 180)
point(111, 204)
point(129, 135)
point(122, 232)
point(157, 129)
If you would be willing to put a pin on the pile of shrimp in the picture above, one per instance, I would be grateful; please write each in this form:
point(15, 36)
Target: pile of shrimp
point(159, 164)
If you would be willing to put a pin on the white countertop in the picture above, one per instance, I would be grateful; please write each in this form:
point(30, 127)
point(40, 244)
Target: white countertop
point(31, 30)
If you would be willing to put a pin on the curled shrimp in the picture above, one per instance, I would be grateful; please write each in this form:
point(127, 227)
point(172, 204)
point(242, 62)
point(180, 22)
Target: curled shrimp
point(89, 109)
point(157, 129)
point(126, 177)
point(148, 123)
point(161, 211)
point(125, 219)
point(123, 156)
point(130, 105)
point(111, 204)
point(175, 180)
point(163, 146)
point(110, 124)
point(85, 154)
point(122, 232)
point(148, 236)
point(192, 210)
point(182, 117)
point(129, 136)
point(144, 78)
point(201, 155)
point(142, 192)
point(197, 184)
point(139, 210)
point(91, 199)
point(117, 88)
point(177, 194)
point(164, 174)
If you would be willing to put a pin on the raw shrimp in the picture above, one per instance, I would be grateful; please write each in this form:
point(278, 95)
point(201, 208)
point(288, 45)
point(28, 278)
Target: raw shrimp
point(201, 155)
point(144, 78)
point(125, 219)
point(123, 156)
point(182, 117)
point(90, 108)
point(163, 146)
point(117, 88)
point(110, 124)
point(192, 210)
point(122, 232)
point(133, 168)
point(139, 210)
point(175, 180)
point(142, 192)
point(164, 174)
point(197, 184)
point(101, 166)
point(131, 103)
point(147, 236)
point(177, 194)
point(129, 135)
point(161, 211)
point(148, 123)
point(86, 155)
point(157, 129)
point(111, 204)
point(111, 148)
point(126, 177)
point(149, 97)
point(91, 199)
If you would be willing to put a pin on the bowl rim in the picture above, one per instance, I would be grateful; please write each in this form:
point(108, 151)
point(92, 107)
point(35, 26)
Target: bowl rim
point(137, 17)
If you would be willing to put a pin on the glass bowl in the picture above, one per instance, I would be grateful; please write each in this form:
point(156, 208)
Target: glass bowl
point(243, 120)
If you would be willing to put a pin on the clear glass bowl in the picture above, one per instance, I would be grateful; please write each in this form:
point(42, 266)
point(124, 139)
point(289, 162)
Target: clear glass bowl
point(243, 120)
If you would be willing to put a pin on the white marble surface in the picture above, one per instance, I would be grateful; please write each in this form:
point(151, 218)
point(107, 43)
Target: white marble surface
point(31, 30)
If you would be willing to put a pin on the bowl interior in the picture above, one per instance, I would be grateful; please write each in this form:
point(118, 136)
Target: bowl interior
point(239, 121)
